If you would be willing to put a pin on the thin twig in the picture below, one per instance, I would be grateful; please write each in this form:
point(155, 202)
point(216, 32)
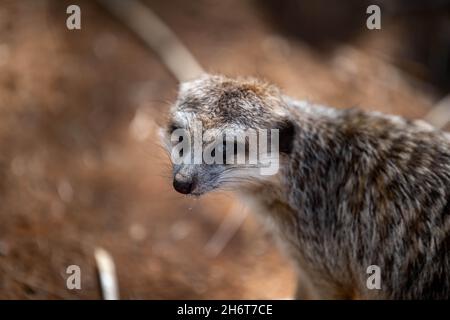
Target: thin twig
point(439, 115)
point(107, 274)
point(157, 35)
point(227, 229)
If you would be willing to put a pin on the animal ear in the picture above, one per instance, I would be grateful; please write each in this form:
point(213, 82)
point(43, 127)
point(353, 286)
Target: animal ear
point(286, 135)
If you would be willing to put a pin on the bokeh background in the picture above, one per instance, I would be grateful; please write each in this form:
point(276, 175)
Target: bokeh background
point(80, 161)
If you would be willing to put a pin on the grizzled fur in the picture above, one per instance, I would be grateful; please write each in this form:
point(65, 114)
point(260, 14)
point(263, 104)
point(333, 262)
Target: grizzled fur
point(355, 189)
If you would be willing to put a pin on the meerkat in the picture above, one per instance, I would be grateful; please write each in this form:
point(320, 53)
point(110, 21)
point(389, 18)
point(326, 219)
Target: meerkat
point(354, 188)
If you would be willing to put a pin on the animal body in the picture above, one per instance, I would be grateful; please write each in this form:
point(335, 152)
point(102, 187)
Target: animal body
point(354, 188)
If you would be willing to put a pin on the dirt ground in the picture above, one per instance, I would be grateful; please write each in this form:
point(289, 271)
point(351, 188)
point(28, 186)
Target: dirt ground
point(80, 164)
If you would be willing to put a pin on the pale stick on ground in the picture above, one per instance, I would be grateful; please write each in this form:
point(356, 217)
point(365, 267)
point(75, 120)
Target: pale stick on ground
point(107, 274)
point(227, 229)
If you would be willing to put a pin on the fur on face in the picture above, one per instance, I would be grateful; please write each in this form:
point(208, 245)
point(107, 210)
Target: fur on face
point(225, 108)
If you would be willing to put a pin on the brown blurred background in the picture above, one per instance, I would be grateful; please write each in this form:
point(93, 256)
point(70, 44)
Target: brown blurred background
point(80, 164)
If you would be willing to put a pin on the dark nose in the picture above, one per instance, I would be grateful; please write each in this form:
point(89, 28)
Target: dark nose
point(182, 184)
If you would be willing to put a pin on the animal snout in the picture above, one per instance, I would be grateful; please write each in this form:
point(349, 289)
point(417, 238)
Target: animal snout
point(183, 184)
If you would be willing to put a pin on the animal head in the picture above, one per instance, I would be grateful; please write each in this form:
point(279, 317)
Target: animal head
point(216, 128)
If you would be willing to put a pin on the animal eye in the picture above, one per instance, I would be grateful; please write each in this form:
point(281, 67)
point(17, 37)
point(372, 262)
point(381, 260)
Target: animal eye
point(173, 126)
